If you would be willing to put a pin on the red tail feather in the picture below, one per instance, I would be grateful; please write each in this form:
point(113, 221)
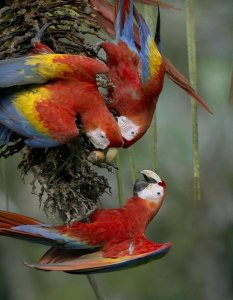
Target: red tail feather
point(125, 9)
point(181, 81)
point(157, 2)
point(9, 219)
point(106, 12)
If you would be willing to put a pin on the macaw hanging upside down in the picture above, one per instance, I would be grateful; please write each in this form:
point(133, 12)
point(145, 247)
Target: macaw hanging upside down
point(137, 70)
point(114, 239)
point(41, 96)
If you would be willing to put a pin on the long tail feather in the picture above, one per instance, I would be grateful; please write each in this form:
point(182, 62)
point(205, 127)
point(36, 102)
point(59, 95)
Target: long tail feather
point(157, 2)
point(28, 229)
point(13, 219)
point(182, 82)
point(12, 224)
point(124, 23)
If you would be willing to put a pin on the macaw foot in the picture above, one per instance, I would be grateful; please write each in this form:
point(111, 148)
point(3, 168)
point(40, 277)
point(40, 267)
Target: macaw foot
point(41, 143)
point(97, 48)
point(40, 48)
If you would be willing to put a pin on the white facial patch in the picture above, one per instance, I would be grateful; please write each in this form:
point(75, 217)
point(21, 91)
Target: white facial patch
point(128, 128)
point(152, 192)
point(98, 138)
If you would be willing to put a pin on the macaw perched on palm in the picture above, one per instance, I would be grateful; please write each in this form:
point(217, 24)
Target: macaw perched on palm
point(114, 238)
point(42, 94)
point(137, 73)
point(105, 13)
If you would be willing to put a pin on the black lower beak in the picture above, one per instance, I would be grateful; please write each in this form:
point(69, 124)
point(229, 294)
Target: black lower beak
point(149, 179)
point(140, 185)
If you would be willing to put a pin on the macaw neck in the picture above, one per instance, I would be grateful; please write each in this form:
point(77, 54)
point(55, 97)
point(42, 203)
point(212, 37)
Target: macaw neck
point(140, 212)
point(142, 115)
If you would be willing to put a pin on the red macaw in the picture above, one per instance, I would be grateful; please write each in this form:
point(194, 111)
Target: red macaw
point(105, 13)
point(114, 238)
point(54, 89)
point(136, 72)
point(137, 75)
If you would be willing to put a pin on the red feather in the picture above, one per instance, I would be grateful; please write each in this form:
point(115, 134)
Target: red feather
point(106, 18)
point(113, 239)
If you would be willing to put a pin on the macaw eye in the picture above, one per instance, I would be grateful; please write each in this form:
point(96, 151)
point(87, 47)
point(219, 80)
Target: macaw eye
point(128, 128)
point(158, 193)
point(98, 138)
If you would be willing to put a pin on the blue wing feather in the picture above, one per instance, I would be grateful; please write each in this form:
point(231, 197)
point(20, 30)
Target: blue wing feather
point(15, 71)
point(14, 121)
point(145, 36)
point(124, 30)
point(49, 233)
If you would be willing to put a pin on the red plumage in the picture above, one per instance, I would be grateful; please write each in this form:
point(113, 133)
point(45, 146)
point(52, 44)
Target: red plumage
point(106, 17)
point(116, 234)
point(129, 97)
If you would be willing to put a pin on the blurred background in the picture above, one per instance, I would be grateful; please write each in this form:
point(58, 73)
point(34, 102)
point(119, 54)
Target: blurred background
point(200, 263)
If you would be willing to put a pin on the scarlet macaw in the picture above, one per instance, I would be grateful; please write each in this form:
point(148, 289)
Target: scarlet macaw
point(114, 238)
point(136, 72)
point(54, 89)
point(105, 14)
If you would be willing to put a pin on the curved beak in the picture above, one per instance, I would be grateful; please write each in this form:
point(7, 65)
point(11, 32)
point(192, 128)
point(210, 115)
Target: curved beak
point(151, 176)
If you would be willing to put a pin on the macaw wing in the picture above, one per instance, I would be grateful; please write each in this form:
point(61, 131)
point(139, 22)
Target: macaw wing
point(44, 67)
point(125, 24)
point(96, 262)
point(11, 118)
point(150, 56)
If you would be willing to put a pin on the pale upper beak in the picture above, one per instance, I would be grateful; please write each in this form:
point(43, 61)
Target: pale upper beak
point(151, 176)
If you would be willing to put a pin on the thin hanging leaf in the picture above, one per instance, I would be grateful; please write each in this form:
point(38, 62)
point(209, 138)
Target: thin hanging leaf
point(119, 181)
point(150, 17)
point(132, 164)
point(96, 288)
point(4, 182)
point(191, 44)
point(231, 88)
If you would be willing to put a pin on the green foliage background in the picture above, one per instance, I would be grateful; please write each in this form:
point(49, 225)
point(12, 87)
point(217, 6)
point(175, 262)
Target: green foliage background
point(200, 263)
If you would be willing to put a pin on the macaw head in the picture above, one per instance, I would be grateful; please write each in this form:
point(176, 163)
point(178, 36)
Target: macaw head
point(151, 188)
point(103, 139)
point(104, 132)
point(134, 126)
point(98, 138)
